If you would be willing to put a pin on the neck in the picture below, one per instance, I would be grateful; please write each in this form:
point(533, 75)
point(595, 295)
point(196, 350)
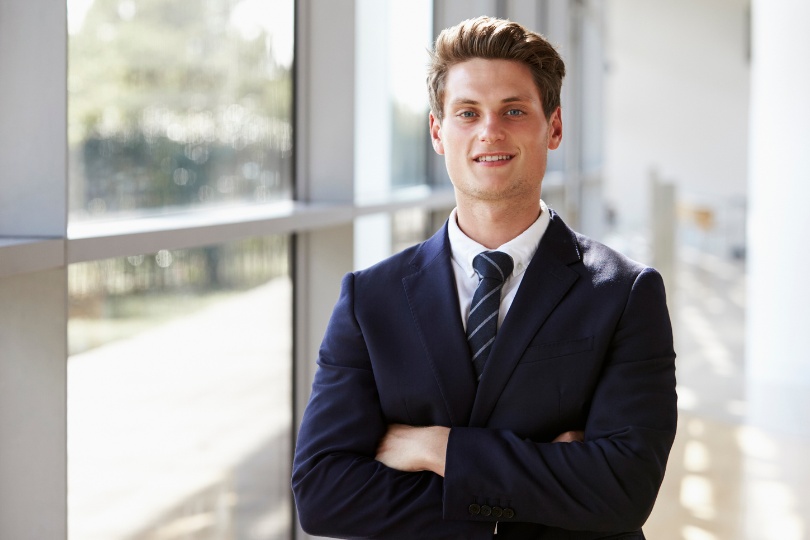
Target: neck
point(492, 224)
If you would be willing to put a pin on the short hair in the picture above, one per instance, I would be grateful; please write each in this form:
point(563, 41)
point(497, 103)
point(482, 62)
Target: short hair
point(495, 39)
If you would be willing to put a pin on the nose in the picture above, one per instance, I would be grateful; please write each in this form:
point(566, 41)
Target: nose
point(492, 129)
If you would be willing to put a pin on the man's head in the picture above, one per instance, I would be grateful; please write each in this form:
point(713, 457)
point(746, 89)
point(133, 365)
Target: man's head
point(495, 39)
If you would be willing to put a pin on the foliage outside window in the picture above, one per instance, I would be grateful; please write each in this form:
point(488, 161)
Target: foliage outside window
point(181, 103)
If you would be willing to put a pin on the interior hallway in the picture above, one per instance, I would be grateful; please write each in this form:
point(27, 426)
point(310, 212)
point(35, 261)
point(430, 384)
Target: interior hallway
point(726, 479)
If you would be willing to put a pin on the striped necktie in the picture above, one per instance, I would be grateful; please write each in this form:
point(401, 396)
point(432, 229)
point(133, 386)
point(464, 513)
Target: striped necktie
point(492, 267)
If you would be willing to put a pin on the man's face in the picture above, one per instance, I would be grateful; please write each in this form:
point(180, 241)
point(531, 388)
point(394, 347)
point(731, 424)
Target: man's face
point(495, 136)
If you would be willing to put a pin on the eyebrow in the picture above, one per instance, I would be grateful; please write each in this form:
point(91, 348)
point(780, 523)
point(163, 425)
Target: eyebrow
point(511, 99)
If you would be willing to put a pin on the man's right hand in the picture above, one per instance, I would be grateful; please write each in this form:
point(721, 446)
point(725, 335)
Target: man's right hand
point(570, 436)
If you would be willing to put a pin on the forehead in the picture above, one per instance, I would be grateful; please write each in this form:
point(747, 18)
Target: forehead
point(483, 80)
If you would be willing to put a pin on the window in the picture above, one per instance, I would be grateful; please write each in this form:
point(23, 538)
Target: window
point(179, 393)
point(180, 361)
point(185, 103)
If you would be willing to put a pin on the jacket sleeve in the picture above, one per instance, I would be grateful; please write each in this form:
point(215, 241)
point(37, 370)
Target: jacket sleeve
point(340, 489)
point(607, 483)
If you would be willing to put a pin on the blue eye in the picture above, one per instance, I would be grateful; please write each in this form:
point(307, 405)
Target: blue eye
point(514, 112)
point(466, 114)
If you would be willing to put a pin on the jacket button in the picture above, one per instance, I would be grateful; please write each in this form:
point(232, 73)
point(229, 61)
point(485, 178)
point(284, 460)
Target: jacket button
point(497, 511)
point(508, 513)
point(486, 511)
point(474, 509)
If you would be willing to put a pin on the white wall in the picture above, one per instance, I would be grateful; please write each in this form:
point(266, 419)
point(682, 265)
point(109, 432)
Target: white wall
point(778, 374)
point(677, 87)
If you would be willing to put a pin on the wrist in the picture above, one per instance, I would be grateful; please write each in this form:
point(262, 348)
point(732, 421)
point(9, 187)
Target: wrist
point(437, 449)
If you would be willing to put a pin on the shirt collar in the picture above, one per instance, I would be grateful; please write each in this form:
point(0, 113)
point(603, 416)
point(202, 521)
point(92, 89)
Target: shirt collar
point(521, 248)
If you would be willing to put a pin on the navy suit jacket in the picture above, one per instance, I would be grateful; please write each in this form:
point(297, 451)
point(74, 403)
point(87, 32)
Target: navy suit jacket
point(586, 345)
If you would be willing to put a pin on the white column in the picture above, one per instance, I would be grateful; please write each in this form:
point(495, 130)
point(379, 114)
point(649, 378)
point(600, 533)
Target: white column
point(33, 431)
point(33, 305)
point(778, 373)
point(33, 118)
point(325, 170)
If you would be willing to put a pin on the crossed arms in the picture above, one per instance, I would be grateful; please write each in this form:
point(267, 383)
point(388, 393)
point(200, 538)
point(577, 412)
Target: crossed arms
point(414, 449)
point(359, 472)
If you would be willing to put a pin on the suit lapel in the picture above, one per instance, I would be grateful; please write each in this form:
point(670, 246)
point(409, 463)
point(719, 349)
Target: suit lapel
point(433, 299)
point(546, 281)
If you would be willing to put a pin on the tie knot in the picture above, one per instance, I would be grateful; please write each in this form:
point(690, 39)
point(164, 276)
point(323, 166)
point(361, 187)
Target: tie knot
point(493, 264)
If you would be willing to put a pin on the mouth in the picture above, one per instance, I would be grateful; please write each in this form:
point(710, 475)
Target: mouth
point(492, 157)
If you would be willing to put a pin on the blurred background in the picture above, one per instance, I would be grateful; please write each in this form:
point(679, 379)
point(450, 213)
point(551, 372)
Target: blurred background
point(183, 183)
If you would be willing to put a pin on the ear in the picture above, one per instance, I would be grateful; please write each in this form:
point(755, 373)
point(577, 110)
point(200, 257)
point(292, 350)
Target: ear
point(555, 129)
point(436, 135)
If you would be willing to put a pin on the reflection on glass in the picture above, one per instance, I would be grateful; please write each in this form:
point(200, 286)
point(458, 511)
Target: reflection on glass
point(179, 393)
point(178, 103)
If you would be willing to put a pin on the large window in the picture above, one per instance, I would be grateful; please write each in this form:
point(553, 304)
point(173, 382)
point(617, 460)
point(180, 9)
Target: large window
point(179, 374)
point(179, 103)
point(179, 394)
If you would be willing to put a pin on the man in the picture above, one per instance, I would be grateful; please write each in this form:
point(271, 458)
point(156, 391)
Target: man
point(528, 392)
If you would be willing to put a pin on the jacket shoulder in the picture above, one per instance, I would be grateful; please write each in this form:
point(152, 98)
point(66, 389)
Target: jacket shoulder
point(605, 259)
point(588, 256)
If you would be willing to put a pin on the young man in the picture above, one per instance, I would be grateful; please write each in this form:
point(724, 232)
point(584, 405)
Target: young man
point(508, 376)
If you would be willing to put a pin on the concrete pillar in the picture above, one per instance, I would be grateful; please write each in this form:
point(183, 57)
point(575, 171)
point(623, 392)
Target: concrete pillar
point(33, 305)
point(778, 374)
point(325, 170)
point(33, 411)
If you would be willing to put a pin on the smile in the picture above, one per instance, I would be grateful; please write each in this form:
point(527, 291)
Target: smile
point(501, 157)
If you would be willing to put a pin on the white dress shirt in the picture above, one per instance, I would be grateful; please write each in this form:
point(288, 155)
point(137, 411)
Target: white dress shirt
point(464, 249)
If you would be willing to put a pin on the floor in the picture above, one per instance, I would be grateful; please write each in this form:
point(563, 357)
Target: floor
point(727, 478)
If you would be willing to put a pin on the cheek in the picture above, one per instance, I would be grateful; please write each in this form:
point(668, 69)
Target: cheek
point(455, 143)
point(456, 166)
point(539, 158)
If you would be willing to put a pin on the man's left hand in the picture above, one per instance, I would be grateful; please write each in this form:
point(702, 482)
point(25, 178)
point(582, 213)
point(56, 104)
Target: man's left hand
point(412, 449)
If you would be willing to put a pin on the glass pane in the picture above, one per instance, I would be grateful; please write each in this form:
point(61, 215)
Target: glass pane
point(392, 39)
point(410, 227)
point(179, 394)
point(178, 103)
point(410, 28)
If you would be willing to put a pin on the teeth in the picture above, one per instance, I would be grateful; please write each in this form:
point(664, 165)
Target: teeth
point(493, 158)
